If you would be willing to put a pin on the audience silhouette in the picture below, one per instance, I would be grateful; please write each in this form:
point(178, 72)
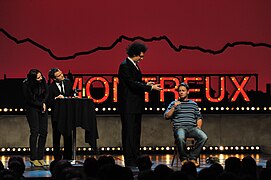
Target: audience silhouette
point(105, 168)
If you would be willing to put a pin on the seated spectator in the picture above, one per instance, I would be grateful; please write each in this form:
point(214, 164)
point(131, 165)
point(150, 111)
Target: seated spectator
point(162, 172)
point(268, 163)
point(248, 167)
point(91, 167)
point(143, 163)
point(59, 167)
point(16, 164)
point(233, 165)
point(189, 168)
point(104, 160)
point(146, 175)
point(7, 174)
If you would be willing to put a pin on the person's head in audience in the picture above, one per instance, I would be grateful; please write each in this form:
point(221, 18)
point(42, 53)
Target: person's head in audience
point(189, 168)
point(52, 166)
point(59, 167)
point(71, 173)
point(162, 171)
point(178, 175)
point(233, 165)
point(217, 168)
point(7, 174)
point(265, 174)
point(248, 167)
point(268, 163)
point(16, 164)
point(146, 175)
point(206, 174)
point(114, 171)
point(144, 162)
point(91, 167)
point(104, 160)
point(227, 176)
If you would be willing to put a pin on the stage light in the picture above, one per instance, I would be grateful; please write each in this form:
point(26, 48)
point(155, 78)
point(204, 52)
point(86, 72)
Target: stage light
point(222, 108)
point(157, 148)
point(221, 148)
point(5, 109)
point(167, 148)
point(96, 109)
point(109, 109)
point(158, 109)
point(108, 148)
point(150, 109)
point(114, 109)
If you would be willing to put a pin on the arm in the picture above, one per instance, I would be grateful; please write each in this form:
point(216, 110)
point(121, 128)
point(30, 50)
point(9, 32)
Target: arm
point(171, 108)
point(125, 75)
point(199, 123)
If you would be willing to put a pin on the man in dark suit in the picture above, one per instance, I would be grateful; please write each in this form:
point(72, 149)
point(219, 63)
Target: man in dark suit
point(59, 88)
point(131, 92)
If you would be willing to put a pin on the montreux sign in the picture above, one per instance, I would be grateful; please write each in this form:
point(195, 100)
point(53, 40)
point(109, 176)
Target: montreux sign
point(208, 87)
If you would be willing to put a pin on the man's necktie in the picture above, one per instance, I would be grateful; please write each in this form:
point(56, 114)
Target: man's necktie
point(61, 87)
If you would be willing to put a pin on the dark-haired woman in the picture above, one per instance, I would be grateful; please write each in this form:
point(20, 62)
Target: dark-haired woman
point(36, 93)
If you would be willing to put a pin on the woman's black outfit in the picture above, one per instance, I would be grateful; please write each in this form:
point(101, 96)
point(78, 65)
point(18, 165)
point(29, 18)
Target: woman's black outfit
point(36, 93)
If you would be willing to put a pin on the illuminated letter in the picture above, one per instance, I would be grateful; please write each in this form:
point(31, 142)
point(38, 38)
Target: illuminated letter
point(187, 79)
point(162, 85)
point(115, 89)
point(222, 90)
point(78, 84)
point(106, 88)
point(240, 88)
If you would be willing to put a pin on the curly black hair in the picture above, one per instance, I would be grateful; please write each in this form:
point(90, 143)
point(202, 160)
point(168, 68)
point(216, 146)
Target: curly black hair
point(136, 48)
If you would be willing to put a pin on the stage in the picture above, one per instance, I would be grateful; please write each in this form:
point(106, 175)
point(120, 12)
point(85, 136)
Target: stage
point(44, 173)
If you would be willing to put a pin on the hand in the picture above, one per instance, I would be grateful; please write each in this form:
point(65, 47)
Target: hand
point(150, 83)
point(176, 103)
point(43, 107)
point(59, 97)
point(156, 87)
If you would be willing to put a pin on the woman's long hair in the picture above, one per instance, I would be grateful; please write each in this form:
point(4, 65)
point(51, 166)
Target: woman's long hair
point(37, 87)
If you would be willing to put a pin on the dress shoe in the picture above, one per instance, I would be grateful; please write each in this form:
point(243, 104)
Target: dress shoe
point(195, 162)
point(42, 162)
point(35, 163)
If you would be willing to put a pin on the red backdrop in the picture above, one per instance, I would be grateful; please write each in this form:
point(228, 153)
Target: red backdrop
point(69, 27)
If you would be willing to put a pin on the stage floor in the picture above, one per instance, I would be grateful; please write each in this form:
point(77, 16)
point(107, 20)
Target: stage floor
point(34, 172)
